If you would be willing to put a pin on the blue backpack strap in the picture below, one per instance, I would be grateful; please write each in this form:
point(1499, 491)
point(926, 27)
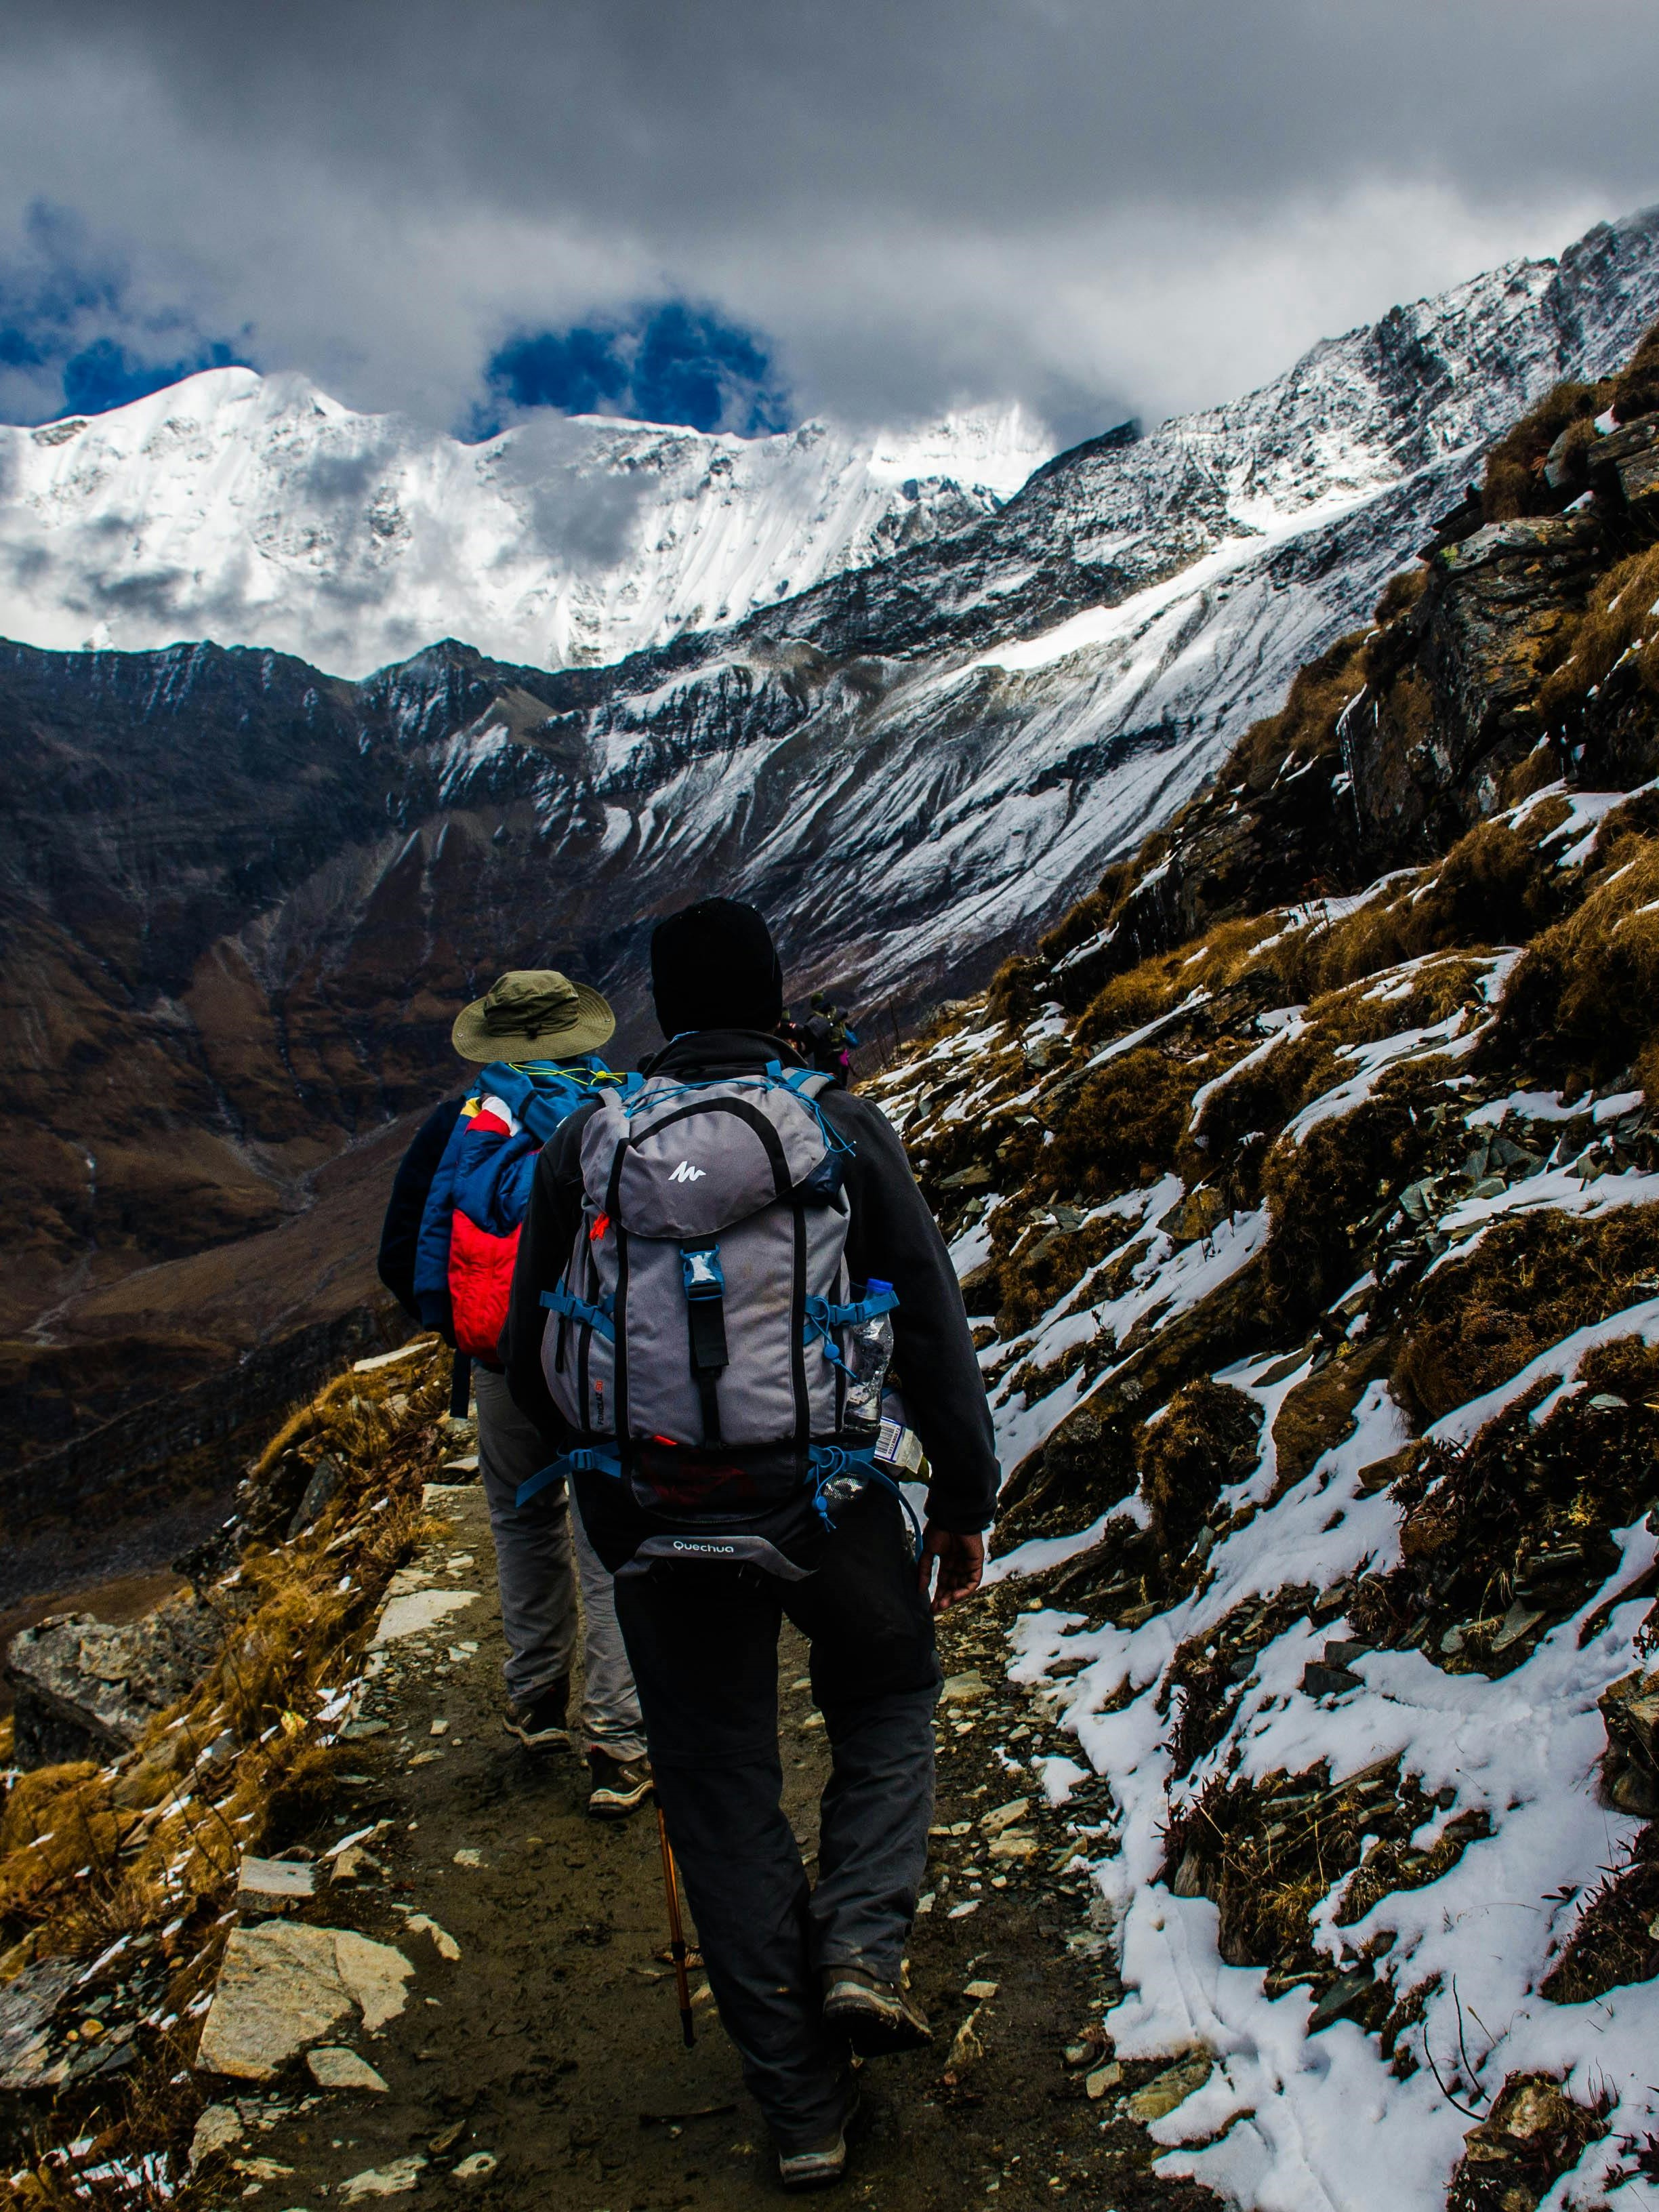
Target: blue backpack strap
point(590, 1460)
point(823, 1316)
point(797, 1078)
point(559, 1300)
point(828, 1460)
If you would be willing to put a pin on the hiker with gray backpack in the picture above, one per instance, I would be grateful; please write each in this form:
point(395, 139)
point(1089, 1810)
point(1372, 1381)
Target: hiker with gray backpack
point(717, 1260)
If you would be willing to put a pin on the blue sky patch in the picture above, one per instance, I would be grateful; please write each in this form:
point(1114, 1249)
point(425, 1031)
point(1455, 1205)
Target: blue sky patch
point(667, 363)
point(76, 337)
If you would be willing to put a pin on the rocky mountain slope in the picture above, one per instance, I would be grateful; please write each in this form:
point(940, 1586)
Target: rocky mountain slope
point(1304, 1184)
point(241, 900)
point(1304, 1188)
point(257, 511)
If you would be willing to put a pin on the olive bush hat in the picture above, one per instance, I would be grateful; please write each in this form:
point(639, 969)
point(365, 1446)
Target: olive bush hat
point(533, 1013)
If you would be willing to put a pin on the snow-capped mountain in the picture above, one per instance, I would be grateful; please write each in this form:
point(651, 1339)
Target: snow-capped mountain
point(242, 900)
point(257, 511)
point(915, 762)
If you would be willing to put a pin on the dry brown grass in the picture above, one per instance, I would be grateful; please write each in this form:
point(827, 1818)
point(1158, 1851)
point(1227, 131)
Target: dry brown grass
point(152, 1843)
point(1583, 1003)
point(1528, 1283)
point(1619, 620)
point(1205, 1440)
point(1122, 1126)
point(1513, 484)
point(1492, 889)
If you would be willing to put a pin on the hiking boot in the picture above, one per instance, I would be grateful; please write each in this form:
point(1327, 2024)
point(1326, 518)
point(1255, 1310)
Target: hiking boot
point(821, 2165)
point(876, 2017)
point(619, 1785)
point(542, 1721)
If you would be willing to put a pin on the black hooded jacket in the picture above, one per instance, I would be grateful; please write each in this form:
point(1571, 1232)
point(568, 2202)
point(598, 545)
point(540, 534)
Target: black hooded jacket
point(891, 1235)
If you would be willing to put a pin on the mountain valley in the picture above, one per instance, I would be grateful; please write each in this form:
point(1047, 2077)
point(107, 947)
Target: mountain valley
point(242, 899)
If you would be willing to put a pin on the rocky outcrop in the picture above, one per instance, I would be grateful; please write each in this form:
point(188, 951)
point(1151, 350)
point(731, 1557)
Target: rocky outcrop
point(86, 1690)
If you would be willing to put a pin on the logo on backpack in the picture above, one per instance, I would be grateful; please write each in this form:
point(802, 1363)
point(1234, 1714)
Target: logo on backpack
point(686, 1173)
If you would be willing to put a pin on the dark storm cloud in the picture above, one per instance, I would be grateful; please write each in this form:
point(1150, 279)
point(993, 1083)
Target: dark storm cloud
point(1085, 205)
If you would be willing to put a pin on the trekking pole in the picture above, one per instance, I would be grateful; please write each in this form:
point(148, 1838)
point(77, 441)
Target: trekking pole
point(671, 1883)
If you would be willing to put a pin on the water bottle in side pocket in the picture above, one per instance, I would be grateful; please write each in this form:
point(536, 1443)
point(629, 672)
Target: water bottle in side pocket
point(870, 1351)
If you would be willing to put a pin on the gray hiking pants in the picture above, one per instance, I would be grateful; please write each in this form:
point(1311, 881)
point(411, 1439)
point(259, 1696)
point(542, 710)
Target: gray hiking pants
point(704, 1640)
point(533, 1569)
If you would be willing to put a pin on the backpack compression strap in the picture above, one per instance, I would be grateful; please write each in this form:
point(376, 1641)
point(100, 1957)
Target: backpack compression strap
point(599, 1318)
point(823, 1317)
point(705, 1308)
point(830, 1461)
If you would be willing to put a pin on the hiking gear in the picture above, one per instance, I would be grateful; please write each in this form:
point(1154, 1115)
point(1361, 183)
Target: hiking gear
point(889, 1233)
point(542, 1721)
point(713, 965)
point(400, 1233)
point(697, 1339)
point(460, 1385)
point(469, 1236)
point(671, 1883)
point(533, 1013)
point(534, 1553)
point(821, 2165)
point(872, 1353)
point(617, 1789)
point(705, 1647)
point(877, 2017)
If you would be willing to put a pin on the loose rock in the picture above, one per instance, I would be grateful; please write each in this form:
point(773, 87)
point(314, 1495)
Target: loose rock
point(334, 2067)
point(1172, 2088)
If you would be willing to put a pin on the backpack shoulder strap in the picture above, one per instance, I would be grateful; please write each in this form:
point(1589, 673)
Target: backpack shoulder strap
point(805, 1082)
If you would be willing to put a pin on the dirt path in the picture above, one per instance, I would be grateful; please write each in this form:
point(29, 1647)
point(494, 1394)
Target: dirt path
point(551, 2043)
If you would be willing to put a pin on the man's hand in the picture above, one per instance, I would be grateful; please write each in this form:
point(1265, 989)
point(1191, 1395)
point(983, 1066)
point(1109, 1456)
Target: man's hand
point(961, 1563)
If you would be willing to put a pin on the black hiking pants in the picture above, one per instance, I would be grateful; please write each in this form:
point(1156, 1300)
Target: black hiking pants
point(704, 1640)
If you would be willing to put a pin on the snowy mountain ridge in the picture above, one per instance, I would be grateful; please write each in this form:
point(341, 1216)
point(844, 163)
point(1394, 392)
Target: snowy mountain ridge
point(974, 727)
point(258, 511)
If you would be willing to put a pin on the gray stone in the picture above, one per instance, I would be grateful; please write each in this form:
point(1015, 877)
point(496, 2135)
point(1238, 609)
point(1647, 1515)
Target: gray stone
point(1341, 1999)
point(275, 1878)
point(412, 1612)
point(324, 1487)
point(86, 1690)
point(1172, 2088)
point(334, 2067)
point(1322, 1681)
point(282, 1986)
point(221, 2127)
point(394, 2181)
point(27, 2007)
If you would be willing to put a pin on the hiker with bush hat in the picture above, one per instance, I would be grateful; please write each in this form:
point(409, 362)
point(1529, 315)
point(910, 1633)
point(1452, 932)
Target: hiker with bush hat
point(451, 1233)
point(715, 1264)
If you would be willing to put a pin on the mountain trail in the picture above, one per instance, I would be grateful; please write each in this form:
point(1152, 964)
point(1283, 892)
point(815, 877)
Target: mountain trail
point(546, 2055)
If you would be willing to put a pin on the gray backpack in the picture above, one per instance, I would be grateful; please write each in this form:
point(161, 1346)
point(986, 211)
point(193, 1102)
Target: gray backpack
point(697, 1339)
